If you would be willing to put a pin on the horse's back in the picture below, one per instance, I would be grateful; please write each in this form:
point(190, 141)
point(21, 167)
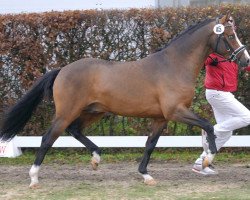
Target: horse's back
point(120, 87)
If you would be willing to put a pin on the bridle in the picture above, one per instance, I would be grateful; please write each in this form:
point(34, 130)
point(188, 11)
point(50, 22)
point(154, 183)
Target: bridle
point(234, 53)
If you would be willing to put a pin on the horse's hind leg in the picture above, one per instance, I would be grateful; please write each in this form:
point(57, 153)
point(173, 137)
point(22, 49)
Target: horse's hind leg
point(157, 128)
point(75, 129)
point(58, 126)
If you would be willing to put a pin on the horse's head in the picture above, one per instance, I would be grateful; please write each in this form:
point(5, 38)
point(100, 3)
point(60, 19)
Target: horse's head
point(226, 42)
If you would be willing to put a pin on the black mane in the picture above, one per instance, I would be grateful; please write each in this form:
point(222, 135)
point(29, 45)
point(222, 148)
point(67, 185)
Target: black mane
point(189, 30)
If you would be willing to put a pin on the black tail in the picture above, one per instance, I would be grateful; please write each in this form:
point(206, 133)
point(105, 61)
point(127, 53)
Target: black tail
point(16, 118)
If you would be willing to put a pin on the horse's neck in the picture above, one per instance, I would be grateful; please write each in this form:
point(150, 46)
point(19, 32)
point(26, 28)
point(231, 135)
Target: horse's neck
point(193, 48)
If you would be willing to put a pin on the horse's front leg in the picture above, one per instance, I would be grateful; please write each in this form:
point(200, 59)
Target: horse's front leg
point(183, 114)
point(157, 128)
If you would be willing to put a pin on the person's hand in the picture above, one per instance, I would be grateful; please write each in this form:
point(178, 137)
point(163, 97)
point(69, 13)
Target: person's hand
point(245, 69)
point(214, 62)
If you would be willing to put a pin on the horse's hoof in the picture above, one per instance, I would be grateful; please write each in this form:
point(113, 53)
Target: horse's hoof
point(94, 164)
point(205, 162)
point(150, 182)
point(34, 186)
point(208, 160)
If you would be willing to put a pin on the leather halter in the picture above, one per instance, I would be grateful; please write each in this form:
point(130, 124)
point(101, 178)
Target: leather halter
point(235, 52)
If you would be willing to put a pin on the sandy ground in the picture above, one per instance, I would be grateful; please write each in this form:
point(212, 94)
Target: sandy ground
point(173, 175)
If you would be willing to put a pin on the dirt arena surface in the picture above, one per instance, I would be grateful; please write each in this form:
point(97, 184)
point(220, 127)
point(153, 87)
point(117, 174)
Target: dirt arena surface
point(122, 181)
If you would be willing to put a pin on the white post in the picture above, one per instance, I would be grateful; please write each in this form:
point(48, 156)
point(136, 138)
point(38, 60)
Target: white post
point(9, 149)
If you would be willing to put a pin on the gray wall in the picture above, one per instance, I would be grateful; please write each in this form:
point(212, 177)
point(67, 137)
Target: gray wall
point(171, 3)
point(178, 3)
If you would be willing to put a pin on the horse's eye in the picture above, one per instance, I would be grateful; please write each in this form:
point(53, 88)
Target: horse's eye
point(231, 37)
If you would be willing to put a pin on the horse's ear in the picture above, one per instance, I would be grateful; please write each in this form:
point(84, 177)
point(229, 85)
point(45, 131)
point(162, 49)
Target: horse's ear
point(225, 18)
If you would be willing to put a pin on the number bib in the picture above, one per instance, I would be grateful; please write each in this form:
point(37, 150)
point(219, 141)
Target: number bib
point(218, 29)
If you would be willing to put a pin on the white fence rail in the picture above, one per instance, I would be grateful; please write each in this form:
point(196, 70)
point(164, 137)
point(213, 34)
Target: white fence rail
point(13, 148)
point(130, 141)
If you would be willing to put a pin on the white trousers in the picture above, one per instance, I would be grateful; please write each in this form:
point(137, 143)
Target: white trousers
point(229, 114)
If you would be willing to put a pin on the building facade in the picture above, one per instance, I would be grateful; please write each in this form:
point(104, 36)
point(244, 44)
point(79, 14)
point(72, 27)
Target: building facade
point(179, 3)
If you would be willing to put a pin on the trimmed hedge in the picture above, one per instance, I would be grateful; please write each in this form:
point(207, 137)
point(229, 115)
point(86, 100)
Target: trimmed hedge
point(33, 43)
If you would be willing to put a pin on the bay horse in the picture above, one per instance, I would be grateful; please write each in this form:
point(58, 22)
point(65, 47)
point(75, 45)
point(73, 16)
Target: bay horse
point(160, 86)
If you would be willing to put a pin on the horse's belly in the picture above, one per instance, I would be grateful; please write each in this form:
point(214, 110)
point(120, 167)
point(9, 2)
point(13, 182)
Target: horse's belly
point(137, 110)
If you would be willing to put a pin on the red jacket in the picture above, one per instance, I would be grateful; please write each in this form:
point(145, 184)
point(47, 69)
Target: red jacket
point(223, 76)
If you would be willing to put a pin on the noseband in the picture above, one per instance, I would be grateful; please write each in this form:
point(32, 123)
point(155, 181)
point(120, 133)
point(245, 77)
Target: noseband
point(235, 52)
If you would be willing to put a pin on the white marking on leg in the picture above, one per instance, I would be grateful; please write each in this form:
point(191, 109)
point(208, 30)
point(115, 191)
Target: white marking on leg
point(34, 170)
point(95, 160)
point(96, 157)
point(147, 177)
point(210, 157)
point(149, 180)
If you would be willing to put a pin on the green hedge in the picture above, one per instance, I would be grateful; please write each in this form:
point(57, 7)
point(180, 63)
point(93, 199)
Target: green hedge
point(33, 43)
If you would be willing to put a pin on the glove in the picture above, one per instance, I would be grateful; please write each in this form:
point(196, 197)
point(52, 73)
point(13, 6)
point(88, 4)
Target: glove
point(214, 62)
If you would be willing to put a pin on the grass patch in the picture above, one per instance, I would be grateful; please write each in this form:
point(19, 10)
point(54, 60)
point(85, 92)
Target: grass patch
point(175, 188)
point(138, 191)
point(74, 156)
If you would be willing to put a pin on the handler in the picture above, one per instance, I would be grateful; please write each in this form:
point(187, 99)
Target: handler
point(220, 81)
